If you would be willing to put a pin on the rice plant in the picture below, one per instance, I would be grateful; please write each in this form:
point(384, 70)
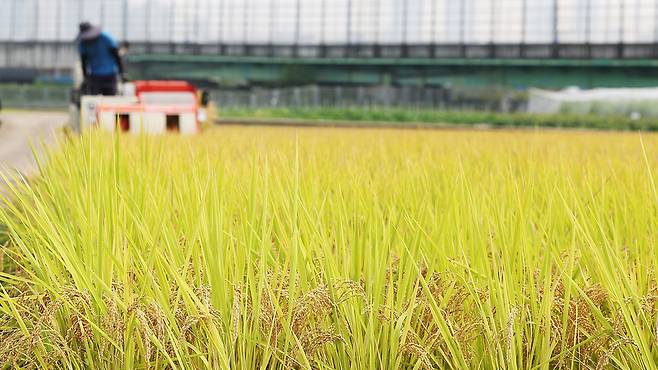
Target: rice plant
point(276, 248)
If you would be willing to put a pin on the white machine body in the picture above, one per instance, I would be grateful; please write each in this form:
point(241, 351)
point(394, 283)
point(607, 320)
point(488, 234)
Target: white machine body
point(147, 107)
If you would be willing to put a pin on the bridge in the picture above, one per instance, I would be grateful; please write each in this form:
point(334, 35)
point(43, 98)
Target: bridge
point(509, 43)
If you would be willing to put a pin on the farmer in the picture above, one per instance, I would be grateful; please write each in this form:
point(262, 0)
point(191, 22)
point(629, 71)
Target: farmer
point(100, 59)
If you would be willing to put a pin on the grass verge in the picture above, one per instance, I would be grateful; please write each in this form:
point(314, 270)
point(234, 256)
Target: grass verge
point(422, 116)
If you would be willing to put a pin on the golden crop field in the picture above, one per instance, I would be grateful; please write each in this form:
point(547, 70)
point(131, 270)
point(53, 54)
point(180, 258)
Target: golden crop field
point(280, 248)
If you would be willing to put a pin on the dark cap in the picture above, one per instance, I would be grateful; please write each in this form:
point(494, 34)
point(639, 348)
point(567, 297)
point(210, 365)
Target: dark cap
point(88, 31)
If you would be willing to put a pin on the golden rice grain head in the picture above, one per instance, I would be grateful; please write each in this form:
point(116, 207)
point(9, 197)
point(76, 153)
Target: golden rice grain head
point(314, 339)
point(313, 305)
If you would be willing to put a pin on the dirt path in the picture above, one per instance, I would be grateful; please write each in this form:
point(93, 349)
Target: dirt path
point(19, 131)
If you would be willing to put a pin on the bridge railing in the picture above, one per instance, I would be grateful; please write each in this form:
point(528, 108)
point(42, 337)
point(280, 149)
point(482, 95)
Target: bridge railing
point(443, 51)
point(62, 55)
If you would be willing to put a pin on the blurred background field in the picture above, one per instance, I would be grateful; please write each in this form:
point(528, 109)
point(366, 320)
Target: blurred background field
point(434, 55)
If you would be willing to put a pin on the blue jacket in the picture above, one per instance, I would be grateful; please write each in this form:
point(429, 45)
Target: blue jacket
point(100, 56)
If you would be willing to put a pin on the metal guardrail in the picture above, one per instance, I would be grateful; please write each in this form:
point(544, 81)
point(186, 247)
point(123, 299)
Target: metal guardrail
point(374, 96)
point(442, 51)
point(27, 96)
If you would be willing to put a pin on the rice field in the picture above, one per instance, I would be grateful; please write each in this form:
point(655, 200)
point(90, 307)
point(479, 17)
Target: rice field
point(281, 248)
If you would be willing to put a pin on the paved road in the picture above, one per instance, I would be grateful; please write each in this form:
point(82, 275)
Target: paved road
point(19, 131)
